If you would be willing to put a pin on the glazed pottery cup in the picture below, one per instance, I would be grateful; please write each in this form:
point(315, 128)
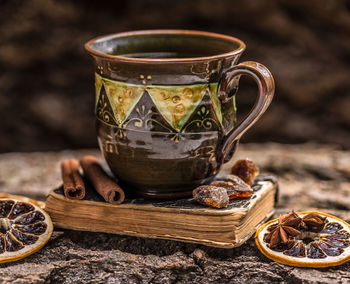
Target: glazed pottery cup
point(165, 106)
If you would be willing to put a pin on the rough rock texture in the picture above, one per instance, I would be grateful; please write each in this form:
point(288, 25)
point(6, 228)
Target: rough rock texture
point(47, 79)
point(310, 176)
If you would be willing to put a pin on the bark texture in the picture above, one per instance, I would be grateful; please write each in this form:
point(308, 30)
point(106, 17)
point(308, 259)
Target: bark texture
point(310, 176)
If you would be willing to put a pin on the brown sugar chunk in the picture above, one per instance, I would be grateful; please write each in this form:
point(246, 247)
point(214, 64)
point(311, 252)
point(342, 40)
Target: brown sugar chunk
point(246, 170)
point(211, 196)
point(236, 187)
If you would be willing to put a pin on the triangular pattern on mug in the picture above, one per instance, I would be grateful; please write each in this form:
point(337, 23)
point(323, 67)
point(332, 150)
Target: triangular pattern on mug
point(176, 103)
point(204, 118)
point(98, 85)
point(145, 116)
point(123, 98)
point(104, 109)
point(213, 91)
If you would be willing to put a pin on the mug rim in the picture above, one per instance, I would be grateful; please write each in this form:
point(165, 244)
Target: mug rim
point(94, 52)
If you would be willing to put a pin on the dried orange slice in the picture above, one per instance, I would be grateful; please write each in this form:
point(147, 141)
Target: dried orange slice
point(3, 195)
point(330, 247)
point(24, 229)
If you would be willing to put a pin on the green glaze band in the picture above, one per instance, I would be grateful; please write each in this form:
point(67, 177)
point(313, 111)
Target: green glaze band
point(175, 103)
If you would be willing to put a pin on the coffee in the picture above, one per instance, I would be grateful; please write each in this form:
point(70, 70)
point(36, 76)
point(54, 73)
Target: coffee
point(165, 54)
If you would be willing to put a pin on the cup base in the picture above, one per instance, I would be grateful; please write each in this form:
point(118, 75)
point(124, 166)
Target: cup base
point(163, 196)
point(150, 192)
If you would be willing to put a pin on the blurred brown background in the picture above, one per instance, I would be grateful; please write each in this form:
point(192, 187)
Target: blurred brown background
point(46, 79)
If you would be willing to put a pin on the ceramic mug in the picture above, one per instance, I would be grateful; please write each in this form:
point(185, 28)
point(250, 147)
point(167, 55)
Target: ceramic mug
point(165, 106)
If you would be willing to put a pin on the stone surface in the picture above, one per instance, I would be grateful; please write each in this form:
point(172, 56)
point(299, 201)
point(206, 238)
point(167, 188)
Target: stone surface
point(310, 176)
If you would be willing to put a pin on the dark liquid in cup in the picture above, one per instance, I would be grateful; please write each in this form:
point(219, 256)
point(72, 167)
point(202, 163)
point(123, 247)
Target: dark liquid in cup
point(166, 54)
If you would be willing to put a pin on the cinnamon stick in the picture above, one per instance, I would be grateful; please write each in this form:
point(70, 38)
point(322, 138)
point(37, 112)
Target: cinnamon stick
point(73, 184)
point(104, 185)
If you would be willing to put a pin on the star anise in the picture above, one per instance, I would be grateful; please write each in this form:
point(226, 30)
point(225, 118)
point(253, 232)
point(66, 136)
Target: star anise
point(285, 228)
point(313, 222)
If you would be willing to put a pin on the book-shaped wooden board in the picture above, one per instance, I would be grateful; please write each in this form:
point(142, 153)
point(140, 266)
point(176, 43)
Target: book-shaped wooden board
point(182, 220)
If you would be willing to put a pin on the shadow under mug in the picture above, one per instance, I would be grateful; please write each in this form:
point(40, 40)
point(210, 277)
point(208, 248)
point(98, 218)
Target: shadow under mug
point(165, 106)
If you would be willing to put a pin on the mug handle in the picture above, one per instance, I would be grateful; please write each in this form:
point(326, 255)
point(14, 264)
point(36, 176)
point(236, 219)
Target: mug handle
point(266, 84)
